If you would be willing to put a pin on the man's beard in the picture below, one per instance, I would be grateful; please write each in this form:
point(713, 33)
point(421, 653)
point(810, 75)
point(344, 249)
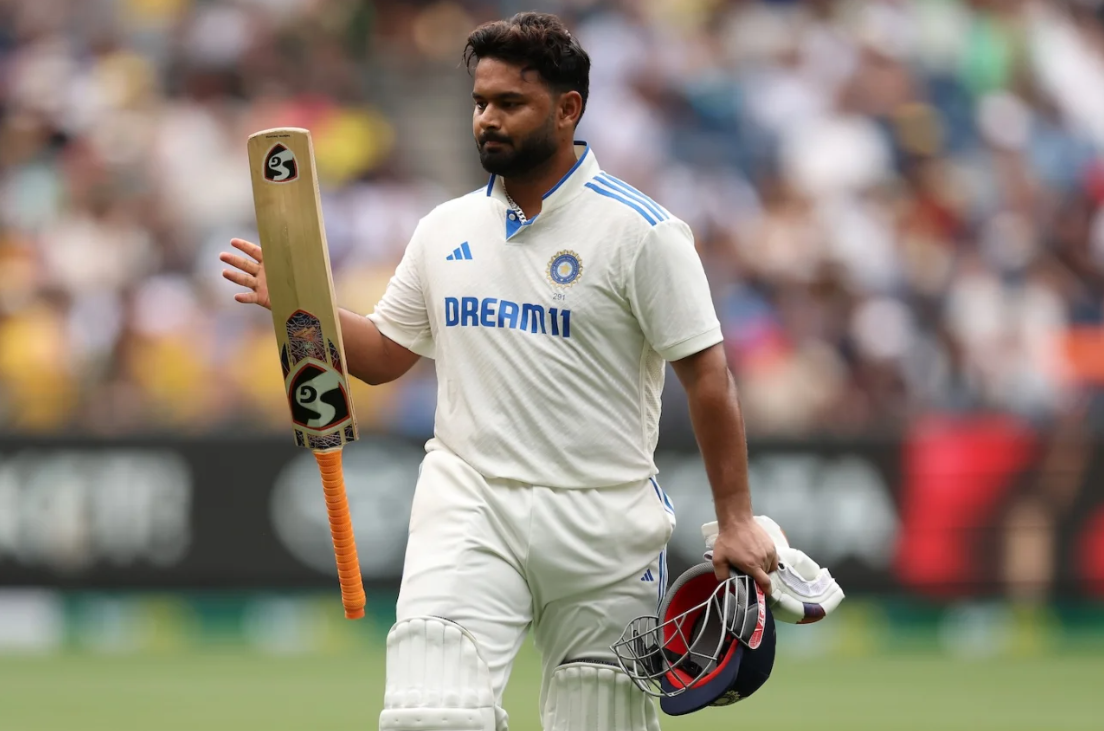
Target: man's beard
point(517, 158)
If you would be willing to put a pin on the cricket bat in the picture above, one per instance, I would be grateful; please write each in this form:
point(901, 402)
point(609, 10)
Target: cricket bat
point(308, 328)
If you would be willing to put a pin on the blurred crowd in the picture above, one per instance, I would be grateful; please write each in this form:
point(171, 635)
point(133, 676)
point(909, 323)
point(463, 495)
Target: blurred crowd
point(900, 202)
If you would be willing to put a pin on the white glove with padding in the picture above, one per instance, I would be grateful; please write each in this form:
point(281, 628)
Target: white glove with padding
point(801, 591)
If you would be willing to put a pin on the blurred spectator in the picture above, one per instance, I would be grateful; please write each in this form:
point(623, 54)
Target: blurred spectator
point(901, 203)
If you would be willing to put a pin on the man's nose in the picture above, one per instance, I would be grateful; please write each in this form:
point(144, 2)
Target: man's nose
point(489, 120)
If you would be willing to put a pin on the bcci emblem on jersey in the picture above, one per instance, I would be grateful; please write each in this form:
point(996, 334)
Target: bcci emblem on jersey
point(565, 268)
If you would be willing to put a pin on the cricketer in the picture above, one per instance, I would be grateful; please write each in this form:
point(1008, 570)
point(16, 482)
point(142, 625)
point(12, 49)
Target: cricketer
point(550, 300)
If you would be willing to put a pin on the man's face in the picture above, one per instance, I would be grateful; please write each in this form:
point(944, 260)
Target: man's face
point(514, 119)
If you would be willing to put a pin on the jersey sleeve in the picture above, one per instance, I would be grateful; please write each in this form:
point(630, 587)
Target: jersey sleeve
point(669, 293)
point(401, 313)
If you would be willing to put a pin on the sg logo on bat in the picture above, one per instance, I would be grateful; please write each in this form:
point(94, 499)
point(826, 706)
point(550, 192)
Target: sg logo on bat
point(280, 165)
point(318, 398)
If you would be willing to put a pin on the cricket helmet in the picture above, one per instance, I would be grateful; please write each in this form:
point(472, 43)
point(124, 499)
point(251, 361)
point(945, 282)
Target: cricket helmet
point(712, 643)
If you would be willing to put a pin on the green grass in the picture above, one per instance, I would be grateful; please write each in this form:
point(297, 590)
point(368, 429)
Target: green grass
point(242, 691)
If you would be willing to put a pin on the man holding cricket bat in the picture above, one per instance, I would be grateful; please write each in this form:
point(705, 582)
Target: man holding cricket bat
point(550, 300)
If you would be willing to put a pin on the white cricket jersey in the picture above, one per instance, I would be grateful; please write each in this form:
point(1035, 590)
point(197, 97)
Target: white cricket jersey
point(550, 335)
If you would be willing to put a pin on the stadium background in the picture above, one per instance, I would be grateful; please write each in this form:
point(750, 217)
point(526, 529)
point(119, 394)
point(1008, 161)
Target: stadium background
point(901, 207)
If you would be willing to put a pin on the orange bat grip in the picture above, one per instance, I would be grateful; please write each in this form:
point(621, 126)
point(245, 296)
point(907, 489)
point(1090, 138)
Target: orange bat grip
point(341, 528)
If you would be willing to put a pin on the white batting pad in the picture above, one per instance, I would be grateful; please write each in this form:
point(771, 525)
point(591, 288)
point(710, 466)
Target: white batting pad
point(436, 680)
point(802, 592)
point(596, 697)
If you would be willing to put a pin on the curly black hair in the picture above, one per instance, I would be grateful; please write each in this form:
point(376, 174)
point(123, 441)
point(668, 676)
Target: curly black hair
point(537, 42)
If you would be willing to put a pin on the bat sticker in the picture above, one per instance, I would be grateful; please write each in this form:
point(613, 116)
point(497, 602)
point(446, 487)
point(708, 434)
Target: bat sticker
point(335, 357)
point(285, 364)
point(304, 333)
point(318, 398)
point(280, 165)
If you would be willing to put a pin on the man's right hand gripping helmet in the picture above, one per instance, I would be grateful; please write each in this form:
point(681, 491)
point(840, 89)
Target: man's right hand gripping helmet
point(712, 642)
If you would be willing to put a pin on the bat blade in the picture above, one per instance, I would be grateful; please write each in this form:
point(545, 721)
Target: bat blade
point(300, 287)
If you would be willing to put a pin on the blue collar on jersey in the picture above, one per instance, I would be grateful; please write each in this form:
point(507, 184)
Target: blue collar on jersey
point(585, 168)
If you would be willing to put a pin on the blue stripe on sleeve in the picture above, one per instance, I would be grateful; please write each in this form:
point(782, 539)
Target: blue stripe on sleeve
point(635, 194)
point(607, 193)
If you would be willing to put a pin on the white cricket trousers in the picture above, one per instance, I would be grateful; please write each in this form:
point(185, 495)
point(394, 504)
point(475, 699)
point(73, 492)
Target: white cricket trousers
point(498, 556)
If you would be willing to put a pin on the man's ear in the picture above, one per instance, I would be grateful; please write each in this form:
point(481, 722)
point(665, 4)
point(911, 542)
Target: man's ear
point(571, 108)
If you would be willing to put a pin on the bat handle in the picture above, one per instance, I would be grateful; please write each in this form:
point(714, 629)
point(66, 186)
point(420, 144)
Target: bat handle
point(341, 528)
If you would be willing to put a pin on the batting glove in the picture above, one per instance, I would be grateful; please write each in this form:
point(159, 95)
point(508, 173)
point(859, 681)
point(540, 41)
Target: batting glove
point(801, 591)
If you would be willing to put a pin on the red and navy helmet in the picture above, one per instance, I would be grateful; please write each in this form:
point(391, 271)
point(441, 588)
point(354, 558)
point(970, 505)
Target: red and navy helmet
point(712, 643)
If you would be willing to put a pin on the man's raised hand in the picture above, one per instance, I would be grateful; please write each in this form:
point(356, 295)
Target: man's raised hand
point(248, 272)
